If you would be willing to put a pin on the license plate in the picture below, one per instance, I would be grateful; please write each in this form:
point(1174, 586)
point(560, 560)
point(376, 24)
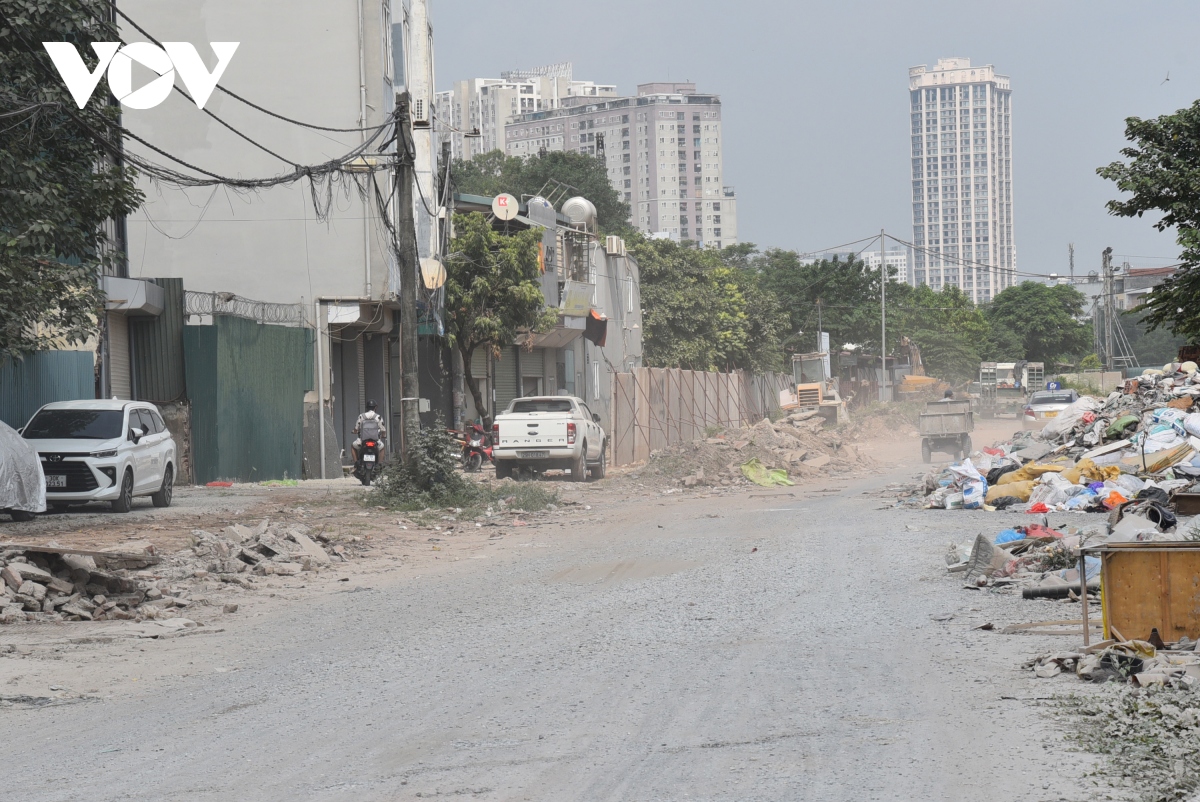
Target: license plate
point(56, 480)
point(1049, 414)
point(533, 454)
point(368, 457)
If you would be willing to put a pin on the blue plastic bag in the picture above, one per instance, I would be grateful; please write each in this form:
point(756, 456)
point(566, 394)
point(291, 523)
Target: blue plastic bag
point(1008, 536)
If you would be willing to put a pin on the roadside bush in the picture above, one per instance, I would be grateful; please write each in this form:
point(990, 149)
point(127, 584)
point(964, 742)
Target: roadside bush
point(434, 481)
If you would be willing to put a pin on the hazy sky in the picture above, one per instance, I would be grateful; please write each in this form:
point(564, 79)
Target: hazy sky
point(815, 98)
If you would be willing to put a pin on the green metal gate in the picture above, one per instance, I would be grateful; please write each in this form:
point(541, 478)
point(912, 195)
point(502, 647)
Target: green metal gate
point(246, 382)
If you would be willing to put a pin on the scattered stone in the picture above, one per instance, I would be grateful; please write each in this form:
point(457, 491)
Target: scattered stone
point(229, 608)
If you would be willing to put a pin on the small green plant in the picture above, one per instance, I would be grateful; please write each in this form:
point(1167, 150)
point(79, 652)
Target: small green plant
point(280, 483)
point(434, 481)
point(712, 431)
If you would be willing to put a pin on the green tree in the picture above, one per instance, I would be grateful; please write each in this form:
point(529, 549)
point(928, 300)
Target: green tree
point(947, 326)
point(1090, 362)
point(1162, 175)
point(492, 173)
point(1047, 320)
point(58, 184)
point(493, 292)
point(703, 314)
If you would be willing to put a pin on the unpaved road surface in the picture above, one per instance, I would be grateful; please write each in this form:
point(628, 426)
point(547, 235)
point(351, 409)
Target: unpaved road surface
point(770, 645)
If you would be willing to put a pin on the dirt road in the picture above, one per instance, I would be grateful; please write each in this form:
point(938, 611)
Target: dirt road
point(769, 645)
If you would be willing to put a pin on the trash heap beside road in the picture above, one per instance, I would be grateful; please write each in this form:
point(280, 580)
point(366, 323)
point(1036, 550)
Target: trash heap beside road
point(48, 583)
point(1094, 456)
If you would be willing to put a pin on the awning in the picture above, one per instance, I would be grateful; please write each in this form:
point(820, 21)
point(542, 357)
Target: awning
point(567, 331)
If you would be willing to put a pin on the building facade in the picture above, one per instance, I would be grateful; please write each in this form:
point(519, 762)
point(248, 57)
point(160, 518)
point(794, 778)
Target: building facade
point(896, 260)
point(474, 114)
point(662, 150)
point(961, 120)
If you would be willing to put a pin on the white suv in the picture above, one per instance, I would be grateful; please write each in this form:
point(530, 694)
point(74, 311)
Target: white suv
point(103, 451)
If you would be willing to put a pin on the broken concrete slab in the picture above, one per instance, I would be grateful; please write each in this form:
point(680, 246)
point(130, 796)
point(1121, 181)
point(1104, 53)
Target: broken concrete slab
point(308, 547)
point(817, 462)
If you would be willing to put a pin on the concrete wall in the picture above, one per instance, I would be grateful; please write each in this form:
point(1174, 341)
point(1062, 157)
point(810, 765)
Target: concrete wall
point(300, 60)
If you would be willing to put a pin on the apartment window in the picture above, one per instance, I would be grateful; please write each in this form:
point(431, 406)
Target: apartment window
point(695, 117)
point(679, 115)
point(716, 207)
point(696, 155)
point(695, 129)
point(628, 181)
point(717, 233)
point(716, 219)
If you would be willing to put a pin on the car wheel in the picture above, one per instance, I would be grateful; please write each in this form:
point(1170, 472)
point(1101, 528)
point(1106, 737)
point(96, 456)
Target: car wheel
point(163, 497)
point(503, 469)
point(124, 502)
point(21, 515)
point(601, 467)
point(579, 468)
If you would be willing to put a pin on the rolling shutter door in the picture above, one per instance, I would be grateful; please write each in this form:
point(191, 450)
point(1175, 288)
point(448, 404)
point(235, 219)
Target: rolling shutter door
point(118, 356)
point(506, 377)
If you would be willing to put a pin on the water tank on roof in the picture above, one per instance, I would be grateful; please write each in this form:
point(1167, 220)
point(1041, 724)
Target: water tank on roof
point(580, 210)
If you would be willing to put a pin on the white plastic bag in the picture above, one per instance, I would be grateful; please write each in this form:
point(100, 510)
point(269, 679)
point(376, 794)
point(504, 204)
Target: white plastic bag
point(1065, 421)
point(974, 493)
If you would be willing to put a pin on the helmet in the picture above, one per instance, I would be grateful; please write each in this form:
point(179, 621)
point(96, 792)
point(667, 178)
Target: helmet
point(947, 394)
point(371, 405)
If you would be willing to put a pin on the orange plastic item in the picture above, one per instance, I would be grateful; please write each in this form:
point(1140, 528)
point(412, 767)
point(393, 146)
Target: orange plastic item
point(1039, 507)
point(1114, 499)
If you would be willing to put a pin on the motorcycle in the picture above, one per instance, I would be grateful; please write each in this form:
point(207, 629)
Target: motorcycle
point(369, 464)
point(477, 449)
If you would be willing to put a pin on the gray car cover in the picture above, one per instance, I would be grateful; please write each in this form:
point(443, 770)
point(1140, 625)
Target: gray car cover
point(22, 484)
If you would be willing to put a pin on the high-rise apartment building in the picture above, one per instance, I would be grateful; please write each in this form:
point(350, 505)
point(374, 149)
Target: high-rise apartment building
point(662, 150)
point(485, 105)
point(896, 260)
point(962, 178)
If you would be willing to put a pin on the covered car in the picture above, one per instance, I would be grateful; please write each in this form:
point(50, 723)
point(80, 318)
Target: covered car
point(22, 484)
point(1045, 405)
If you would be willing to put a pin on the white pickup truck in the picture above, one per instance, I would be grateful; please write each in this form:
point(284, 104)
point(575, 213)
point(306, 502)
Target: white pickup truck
point(543, 432)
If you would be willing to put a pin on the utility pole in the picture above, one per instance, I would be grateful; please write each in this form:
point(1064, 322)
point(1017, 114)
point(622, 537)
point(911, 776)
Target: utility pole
point(1106, 266)
point(406, 258)
point(1071, 254)
point(883, 313)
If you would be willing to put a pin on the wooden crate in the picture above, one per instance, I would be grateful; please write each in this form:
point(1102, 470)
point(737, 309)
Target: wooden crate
point(1186, 503)
point(1150, 586)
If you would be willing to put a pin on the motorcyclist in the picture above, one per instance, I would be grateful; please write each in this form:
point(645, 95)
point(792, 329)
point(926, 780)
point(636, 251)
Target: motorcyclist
point(370, 422)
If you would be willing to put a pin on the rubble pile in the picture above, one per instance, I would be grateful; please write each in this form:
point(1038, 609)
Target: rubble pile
point(797, 444)
point(1141, 443)
point(47, 583)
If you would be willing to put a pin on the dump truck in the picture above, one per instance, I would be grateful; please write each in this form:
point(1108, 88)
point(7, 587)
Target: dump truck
point(1005, 386)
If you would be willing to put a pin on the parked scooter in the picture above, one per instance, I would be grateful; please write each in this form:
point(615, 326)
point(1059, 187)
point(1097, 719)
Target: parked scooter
point(369, 464)
point(477, 449)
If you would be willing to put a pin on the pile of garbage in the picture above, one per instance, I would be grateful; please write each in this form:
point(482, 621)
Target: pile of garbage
point(1141, 663)
point(1094, 456)
point(49, 583)
point(766, 453)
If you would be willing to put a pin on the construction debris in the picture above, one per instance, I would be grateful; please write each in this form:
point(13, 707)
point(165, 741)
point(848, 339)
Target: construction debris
point(49, 583)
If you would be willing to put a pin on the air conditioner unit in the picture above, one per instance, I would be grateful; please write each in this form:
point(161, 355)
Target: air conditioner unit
point(614, 246)
point(420, 113)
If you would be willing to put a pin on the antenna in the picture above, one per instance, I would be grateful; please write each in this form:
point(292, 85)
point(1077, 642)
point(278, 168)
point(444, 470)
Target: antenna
point(1071, 251)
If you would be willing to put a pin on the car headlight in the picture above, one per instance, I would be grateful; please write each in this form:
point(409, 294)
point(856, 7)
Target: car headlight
point(104, 454)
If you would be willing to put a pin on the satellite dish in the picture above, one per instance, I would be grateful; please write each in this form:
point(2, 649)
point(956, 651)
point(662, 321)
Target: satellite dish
point(433, 273)
point(505, 206)
point(579, 210)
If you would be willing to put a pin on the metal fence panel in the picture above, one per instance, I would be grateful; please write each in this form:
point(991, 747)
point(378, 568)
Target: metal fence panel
point(41, 377)
point(157, 347)
point(246, 382)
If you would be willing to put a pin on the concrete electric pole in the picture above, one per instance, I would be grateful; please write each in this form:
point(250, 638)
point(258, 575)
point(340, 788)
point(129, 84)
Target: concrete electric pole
point(406, 258)
point(1106, 266)
point(884, 393)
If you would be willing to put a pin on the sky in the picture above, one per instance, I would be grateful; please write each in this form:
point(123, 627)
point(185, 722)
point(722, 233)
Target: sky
point(815, 99)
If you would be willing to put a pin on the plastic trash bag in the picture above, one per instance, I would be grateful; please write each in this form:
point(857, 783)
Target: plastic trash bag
point(22, 484)
point(1019, 490)
point(1191, 424)
point(760, 474)
point(1066, 421)
point(974, 494)
point(1008, 536)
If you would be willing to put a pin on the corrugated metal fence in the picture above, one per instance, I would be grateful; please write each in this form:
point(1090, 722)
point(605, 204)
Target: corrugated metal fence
point(246, 383)
point(157, 348)
point(657, 407)
point(41, 377)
